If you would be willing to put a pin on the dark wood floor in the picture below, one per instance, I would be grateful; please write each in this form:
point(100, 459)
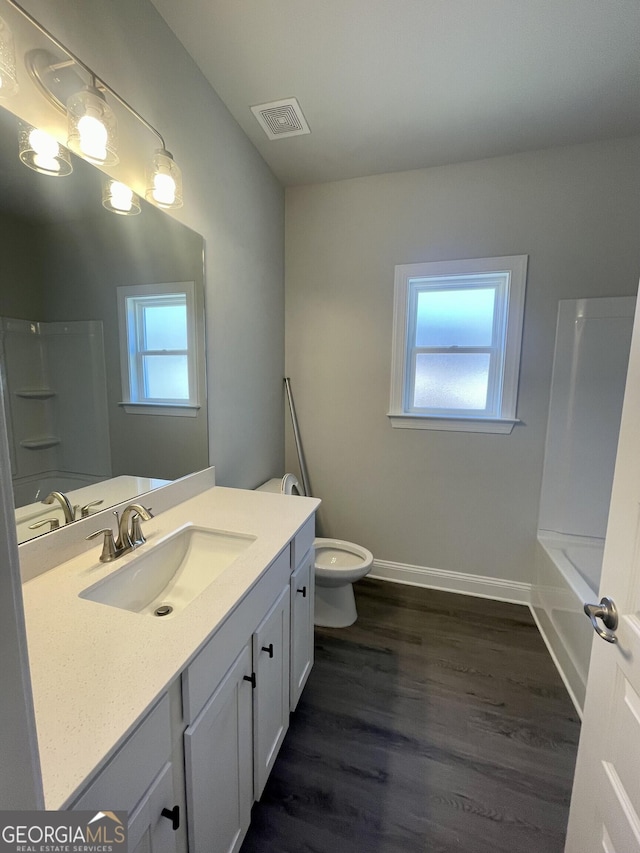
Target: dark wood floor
point(436, 723)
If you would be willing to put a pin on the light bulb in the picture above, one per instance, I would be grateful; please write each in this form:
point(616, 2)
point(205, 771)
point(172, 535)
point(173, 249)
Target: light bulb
point(93, 137)
point(164, 189)
point(41, 152)
point(121, 196)
point(164, 181)
point(46, 150)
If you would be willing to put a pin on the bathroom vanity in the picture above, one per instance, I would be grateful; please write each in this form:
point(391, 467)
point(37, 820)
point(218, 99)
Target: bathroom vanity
point(176, 719)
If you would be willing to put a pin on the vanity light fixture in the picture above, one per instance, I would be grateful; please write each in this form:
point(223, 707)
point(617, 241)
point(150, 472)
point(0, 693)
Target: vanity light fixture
point(8, 76)
point(164, 184)
point(92, 126)
point(119, 198)
point(92, 122)
point(42, 153)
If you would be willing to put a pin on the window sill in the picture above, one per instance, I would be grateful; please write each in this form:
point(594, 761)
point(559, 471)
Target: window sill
point(502, 426)
point(179, 410)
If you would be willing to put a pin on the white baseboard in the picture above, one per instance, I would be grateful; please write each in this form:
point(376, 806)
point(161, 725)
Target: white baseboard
point(514, 592)
point(569, 676)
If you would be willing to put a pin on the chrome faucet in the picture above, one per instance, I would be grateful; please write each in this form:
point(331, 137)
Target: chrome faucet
point(130, 533)
point(68, 510)
point(129, 530)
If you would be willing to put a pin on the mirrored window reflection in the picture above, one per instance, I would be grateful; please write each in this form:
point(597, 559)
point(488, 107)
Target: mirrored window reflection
point(157, 344)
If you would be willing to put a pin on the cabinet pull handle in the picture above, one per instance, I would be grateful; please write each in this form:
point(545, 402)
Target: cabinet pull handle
point(251, 678)
point(269, 649)
point(303, 591)
point(173, 815)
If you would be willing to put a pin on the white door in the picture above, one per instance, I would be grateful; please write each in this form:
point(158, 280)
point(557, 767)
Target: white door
point(605, 807)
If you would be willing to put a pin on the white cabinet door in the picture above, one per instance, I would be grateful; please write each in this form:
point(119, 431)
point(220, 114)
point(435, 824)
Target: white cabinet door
point(218, 758)
point(302, 595)
point(149, 830)
point(271, 695)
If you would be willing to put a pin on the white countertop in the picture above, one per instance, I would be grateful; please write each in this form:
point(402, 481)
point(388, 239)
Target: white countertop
point(96, 669)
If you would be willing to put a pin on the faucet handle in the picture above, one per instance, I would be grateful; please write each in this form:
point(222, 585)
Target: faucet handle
point(122, 541)
point(85, 511)
point(109, 550)
point(53, 522)
point(137, 536)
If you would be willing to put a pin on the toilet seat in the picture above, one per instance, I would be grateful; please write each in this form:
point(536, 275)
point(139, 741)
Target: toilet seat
point(339, 562)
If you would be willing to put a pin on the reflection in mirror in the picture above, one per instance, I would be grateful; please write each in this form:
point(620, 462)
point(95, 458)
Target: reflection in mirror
point(64, 256)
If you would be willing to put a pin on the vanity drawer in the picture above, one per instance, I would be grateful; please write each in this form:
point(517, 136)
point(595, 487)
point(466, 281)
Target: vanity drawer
point(208, 668)
point(124, 780)
point(302, 541)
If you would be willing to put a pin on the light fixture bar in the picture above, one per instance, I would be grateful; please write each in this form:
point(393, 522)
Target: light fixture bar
point(89, 71)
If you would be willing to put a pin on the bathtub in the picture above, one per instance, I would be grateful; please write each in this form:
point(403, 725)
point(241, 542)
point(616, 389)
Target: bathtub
point(593, 337)
point(567, 575)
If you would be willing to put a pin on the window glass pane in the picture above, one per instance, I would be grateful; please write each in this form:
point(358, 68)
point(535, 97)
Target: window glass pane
point(451, 381)
point(455, 318)
point(166, 377)
point(165, 326)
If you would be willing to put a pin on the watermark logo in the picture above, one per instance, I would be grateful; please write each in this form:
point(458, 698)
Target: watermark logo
point(63, 832)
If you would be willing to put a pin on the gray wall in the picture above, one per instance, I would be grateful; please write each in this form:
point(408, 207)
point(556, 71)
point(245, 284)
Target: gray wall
point(454, 501)
point(22, 273)
point(231, 198)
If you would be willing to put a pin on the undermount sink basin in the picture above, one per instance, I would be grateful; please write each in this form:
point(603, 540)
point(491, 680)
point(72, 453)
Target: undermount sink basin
point(169, 575)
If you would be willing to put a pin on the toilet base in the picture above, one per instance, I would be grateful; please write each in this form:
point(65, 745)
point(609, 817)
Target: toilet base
point(335, 606)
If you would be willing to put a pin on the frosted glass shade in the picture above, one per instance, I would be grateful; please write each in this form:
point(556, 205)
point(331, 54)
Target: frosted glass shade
point(92, 127)
point(164, 181)
point(42, 153)
point(8, 76)
point(119, 198)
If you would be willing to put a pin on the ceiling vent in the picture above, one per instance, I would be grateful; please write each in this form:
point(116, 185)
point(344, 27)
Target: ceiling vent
point(280, 119)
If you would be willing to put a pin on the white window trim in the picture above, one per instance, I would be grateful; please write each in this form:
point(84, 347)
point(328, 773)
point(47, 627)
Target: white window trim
point(399, 416)
point(189, 408)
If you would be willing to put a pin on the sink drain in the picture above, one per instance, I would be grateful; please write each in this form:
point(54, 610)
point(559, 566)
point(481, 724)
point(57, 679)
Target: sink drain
point(163, 610)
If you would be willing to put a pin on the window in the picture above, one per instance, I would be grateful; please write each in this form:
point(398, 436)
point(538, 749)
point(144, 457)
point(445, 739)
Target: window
point(158, 348)
point(456, 344)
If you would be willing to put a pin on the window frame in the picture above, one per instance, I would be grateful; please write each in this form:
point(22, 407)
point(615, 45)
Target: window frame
point(131, 301)
point(508, 275)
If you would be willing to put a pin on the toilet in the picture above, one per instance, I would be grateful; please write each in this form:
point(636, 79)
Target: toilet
point(338, 565)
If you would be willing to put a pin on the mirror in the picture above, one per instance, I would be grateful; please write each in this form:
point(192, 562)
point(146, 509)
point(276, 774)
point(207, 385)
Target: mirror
point(63, 256)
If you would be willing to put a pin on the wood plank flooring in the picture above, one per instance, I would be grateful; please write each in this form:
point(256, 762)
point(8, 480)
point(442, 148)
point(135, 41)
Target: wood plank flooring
point(437, 723)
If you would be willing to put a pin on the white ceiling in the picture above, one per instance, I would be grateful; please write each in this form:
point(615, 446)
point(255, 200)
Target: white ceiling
point(389, 85)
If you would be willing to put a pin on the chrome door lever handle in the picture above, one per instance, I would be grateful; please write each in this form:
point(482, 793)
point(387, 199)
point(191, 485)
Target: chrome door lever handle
point(605, 611)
